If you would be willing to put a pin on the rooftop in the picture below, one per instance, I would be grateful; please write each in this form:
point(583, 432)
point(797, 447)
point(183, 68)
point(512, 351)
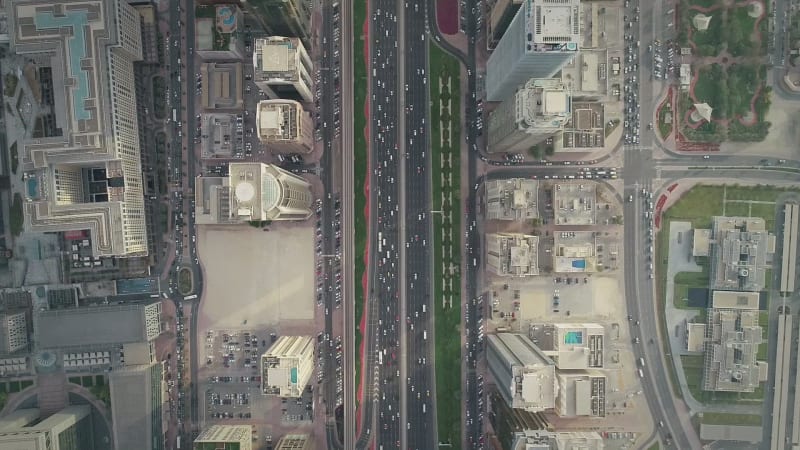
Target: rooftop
point(96, 325)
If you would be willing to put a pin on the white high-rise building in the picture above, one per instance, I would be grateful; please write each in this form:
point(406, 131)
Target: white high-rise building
point(85, 173)
point(282, 68)
point(536, 111)
point(543, 36)
point(287, 366)
point(284, 126)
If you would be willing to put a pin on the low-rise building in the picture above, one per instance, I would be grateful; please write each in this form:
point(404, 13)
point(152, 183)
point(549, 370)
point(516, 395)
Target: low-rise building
point(287, 366)
point(13, 331)
point(512, 199)
point(557, 440)
point(217, 33)
point(512, 254)
point(295, 442)
point(221, 86)
point(571, 345)
point(581, 393)
point(222, 136)
point(227, 437)
point(97, 326)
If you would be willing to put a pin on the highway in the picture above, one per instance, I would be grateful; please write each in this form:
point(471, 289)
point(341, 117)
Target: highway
point(418, 411)
point(348, 226)
point(382, 353)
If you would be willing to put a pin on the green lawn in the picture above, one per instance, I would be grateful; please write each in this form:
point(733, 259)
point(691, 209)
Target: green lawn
point(185, 281)
point(697, 206)
point(713, 418)
point(10, 85)
point(655, 446)
point(17, 217)
point(159, 98)
point(14, 158)
point(660, 265)
point(447, 320)
point(359, 169)
point(664, 128)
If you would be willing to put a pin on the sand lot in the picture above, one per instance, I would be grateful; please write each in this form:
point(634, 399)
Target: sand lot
point(261, 277)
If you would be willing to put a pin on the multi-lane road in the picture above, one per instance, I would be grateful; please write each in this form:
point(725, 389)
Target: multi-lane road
point(418, 411)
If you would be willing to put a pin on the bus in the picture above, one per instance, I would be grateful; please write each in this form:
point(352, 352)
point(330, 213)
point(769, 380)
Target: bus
point(174, 115)
point(380, 242)
point(190, 297)
point(380, 358)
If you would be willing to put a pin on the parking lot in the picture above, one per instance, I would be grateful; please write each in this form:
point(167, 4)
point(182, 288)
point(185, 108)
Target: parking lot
point(231, 384)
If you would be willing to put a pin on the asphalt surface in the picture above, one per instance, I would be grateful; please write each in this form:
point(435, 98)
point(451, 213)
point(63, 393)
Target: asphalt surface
point(418, 410)
point(382, 338)
point(329, 218)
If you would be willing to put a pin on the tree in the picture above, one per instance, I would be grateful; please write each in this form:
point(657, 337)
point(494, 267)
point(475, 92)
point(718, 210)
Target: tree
point(536, 152)
point(549, 150)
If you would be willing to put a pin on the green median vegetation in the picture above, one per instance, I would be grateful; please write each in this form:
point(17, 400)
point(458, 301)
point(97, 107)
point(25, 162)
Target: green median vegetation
point(445, 150)
point(359, 170)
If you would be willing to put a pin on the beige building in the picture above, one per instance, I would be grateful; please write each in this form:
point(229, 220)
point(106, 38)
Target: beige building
point(29, 429)
point(287, 366)
point(86, 175)
point(282, 68)
point(284, 126)
point(512, 199)
point(222, 86)
point(581, 393)
point(220, 138)
point(14, 329)
point(225, 437)
point(557, 440)
point(572, 346)
point(741, 247)
point(295, 442)
point(252, 192)
point(512, 255)
point(733, 335)
point(695, 337)
point(525, 376)
point(536, 111)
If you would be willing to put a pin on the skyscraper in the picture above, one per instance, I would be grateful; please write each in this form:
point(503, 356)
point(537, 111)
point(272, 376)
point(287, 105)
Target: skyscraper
point(68, 429)
point(287, 18)
point(86, 173)
point(252, 192)
point(536, 111)
point(542, 37)
point(284, 126)
point(282, 68)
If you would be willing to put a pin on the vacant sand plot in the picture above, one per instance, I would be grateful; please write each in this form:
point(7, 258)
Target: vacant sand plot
point(260, 277)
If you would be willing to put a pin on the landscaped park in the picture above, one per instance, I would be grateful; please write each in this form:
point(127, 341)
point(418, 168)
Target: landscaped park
point(727, 99)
